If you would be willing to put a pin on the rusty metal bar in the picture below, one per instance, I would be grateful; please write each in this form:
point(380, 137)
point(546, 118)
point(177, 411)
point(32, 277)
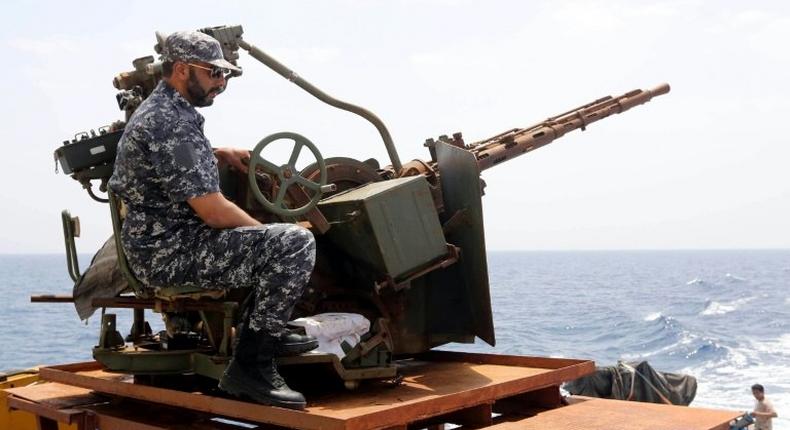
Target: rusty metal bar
point(51, 298)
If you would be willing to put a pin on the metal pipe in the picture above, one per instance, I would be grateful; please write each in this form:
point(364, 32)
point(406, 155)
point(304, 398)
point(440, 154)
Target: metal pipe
point(516, 142)
point(289, 74)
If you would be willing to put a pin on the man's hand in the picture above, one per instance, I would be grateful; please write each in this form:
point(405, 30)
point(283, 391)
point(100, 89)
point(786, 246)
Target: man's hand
point(238, 158)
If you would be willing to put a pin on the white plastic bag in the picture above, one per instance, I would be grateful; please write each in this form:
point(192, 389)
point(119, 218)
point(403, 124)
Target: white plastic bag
point(331, 329)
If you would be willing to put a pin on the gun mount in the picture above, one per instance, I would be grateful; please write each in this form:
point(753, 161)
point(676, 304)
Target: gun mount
point(401, 244)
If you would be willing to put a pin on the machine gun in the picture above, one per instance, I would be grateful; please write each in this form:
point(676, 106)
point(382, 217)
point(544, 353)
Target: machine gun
point(401, 244)
point(518, 141)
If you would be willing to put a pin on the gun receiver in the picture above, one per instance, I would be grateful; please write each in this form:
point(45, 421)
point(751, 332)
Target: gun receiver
point(518, 141)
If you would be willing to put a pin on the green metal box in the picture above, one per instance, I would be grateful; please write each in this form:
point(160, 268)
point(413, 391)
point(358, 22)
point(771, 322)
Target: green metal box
point(391, 226)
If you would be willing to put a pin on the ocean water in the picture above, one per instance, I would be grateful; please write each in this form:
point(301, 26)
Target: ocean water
point(722, 316)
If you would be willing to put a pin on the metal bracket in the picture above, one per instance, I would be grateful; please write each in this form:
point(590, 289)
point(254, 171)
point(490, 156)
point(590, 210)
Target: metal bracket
point(71, 229)
point(110, 338)
point(453, 253)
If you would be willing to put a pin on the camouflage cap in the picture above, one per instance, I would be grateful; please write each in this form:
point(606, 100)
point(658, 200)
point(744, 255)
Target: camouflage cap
point(195, 46)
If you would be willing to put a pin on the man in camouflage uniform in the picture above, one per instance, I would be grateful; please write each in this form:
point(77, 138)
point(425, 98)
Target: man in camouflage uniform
point(180, 230)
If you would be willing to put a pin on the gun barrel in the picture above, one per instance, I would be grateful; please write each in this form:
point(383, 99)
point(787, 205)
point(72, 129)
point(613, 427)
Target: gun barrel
point(515, 142)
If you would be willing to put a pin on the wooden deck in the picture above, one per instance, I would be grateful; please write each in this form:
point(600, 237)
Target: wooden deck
point(470, 390)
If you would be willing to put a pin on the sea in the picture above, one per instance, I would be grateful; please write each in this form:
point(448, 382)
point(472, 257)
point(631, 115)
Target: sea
point(722, 316)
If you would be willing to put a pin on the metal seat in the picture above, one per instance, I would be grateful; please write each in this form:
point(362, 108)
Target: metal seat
point(215, 310)
point(169, 292)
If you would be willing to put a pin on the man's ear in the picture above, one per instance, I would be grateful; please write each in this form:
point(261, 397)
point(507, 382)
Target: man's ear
point(181, 70)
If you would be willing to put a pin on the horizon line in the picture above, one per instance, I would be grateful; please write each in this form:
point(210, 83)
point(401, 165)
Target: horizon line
point(509, 250)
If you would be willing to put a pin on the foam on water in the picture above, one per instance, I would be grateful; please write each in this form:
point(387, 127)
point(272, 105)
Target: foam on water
point(720, 308)
point(665, 336)
point(732, 278)
point(764, 362)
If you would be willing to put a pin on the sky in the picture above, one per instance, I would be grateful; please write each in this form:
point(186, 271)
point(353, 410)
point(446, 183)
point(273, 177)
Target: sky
point(703, 167)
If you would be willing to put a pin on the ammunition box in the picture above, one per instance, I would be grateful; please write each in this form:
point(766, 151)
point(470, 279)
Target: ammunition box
point(391, 226)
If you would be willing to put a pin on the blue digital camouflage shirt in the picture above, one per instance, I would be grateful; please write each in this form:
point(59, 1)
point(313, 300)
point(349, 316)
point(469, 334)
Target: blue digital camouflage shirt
point(163, 160)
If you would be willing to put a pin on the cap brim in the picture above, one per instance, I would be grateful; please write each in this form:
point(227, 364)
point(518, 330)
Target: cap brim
point(225, 64)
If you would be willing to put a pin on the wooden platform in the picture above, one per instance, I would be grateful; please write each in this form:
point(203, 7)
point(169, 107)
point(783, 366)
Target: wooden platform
point(471, 390)
point(437, 386)
point(588, 413)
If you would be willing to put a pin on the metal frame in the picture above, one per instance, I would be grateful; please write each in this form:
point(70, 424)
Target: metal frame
point(138, 359)
point(115, 215)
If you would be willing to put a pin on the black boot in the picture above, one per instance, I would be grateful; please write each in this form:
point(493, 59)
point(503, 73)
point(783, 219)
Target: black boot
point(295, 343)
point(253, 373)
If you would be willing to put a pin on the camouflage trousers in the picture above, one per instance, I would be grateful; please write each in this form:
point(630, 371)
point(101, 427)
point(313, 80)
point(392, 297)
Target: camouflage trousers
point(275, 260)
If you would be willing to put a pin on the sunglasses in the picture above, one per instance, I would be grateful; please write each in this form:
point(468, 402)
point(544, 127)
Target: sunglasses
point(215, 72)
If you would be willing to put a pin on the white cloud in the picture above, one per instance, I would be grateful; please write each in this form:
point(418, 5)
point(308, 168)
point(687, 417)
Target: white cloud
point(608, 17)
point(587, 17)
point(45, 47)
point(771, 38)
point(322, 54)
point(759, 31)
point(749, 18)
point(663, 10)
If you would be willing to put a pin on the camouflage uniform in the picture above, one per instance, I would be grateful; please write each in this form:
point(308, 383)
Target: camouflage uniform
point(163, 160)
